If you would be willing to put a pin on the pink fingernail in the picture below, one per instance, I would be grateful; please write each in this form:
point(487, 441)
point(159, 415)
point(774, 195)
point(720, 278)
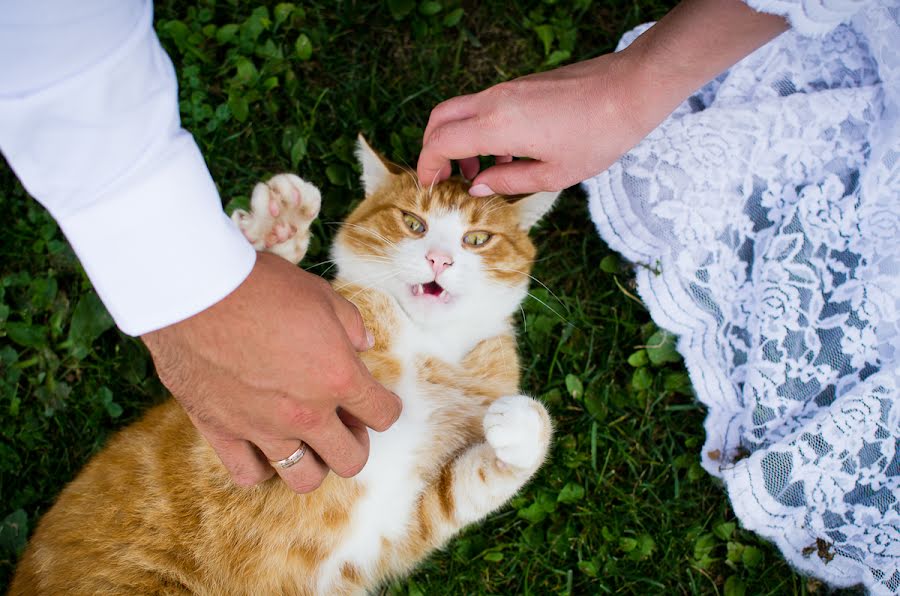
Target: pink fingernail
point(481, 190)
point(370, 339)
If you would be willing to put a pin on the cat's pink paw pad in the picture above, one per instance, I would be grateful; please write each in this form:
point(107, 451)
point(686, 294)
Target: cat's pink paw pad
point(518, 429)
point(281, 211)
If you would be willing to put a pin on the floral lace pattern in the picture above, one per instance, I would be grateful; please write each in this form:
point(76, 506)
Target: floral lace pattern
point(766, 213)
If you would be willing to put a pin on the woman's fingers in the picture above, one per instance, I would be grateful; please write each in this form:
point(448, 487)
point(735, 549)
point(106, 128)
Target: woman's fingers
point(517, 177)
point(469, 167)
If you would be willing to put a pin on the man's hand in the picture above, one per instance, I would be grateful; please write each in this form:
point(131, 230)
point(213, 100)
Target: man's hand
point(273, 364)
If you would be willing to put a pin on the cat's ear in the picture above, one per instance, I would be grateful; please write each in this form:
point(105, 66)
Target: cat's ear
point(376, 170)
point(531, 208)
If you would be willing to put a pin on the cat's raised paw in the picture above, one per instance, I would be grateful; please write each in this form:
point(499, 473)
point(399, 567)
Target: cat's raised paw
point(279, 217)
point(518, 428)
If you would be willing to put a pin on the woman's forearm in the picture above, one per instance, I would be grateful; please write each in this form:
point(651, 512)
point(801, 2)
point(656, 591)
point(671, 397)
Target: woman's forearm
point(693, 43)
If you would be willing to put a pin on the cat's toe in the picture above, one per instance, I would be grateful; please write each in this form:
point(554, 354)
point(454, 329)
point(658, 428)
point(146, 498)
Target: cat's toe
point(242, 219)
point(518, 429)
point(298, 200)
point(280, 215)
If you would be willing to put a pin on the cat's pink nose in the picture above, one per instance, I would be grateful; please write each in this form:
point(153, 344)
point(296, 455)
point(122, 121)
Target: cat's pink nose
point(439, 261)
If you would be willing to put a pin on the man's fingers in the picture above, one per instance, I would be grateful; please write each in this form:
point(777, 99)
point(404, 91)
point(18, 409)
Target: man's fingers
point(356, 426)
point(302, 477)
point(371, 403)
point(353, 324)
point(517, 177)
point(340, 449)
point(362, 395)
point(241, 460)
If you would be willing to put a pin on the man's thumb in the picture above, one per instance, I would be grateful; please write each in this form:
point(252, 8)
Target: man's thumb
point(360, 337)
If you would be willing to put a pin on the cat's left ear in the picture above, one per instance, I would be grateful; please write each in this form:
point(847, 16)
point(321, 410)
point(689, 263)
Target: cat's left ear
point(532, 208)
point(377, 171)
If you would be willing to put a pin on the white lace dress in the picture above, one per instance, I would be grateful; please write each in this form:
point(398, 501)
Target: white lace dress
point(765, 215)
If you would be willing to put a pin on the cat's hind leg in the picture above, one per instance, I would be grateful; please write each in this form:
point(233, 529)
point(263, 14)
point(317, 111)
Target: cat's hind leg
point(281, 211)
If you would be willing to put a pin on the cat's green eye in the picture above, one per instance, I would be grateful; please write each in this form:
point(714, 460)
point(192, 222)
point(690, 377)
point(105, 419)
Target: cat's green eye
point(476, 238)
point(413, 223)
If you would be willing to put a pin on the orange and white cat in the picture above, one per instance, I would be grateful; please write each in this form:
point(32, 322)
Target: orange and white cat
point(437, 276)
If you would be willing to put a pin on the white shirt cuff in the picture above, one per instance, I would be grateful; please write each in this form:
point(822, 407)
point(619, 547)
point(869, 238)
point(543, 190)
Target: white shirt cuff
point(163, 250)
point(89, 122)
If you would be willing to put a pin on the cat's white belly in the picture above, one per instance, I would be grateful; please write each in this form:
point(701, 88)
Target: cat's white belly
point(392, 487)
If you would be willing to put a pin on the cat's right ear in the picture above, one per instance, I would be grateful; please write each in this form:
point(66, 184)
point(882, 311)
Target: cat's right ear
point(376, 170)
point(532, 208)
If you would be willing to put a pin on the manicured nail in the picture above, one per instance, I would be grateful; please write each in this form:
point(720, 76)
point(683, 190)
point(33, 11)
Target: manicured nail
point(370, 339)
point(481, 190)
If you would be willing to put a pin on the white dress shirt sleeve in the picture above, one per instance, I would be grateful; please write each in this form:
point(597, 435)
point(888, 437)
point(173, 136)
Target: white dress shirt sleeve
point(89, 123)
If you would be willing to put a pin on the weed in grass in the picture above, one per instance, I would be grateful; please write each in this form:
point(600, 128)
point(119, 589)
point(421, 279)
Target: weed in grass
point(622, 506)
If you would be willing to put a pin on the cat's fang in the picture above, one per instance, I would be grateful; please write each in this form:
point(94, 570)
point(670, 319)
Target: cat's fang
point(417, 290)
point(445, 296)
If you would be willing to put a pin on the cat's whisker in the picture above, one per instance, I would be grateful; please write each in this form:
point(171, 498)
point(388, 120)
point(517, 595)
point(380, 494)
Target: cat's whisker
point(555, 297)
point(364, 258)
point(547, 306)
point(374, 259)
point(499, 342)
point(375, 249)
point(363, 228)
point(412, 172)
point(372, 247)
point(490, 209)
point(433, 182)
point(367, 282)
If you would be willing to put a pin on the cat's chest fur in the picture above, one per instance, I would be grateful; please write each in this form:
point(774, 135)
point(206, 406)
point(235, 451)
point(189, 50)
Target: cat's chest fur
point(432, 372)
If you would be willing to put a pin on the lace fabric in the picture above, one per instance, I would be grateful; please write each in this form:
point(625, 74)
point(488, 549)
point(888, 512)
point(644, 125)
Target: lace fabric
point(765, 215)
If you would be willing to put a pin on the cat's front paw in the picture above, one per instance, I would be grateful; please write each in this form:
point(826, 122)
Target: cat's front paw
point(518, 428)
point(280, 213)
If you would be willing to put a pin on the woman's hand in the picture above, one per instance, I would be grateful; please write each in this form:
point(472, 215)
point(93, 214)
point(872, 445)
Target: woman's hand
point(574, 122)
point(571, 123)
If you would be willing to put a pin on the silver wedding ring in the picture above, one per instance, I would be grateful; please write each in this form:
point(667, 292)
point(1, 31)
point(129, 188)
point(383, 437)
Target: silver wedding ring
point(291, 459)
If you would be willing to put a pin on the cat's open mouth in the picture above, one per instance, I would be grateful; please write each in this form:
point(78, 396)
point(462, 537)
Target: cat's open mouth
point(432, 288)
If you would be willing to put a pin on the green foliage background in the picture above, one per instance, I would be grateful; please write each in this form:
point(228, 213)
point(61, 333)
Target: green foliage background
point(623, 506)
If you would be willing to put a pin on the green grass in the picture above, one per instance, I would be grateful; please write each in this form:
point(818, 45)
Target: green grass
point(623, 505)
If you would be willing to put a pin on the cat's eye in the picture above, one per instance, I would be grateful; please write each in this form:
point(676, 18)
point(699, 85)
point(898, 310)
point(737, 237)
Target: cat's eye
point(414, 223)
point(476, 238)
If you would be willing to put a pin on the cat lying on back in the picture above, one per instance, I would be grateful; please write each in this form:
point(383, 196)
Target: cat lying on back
point(436, 275)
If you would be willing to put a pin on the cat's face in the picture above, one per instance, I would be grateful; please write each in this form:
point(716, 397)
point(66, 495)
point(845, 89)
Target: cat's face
point(444, 256)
